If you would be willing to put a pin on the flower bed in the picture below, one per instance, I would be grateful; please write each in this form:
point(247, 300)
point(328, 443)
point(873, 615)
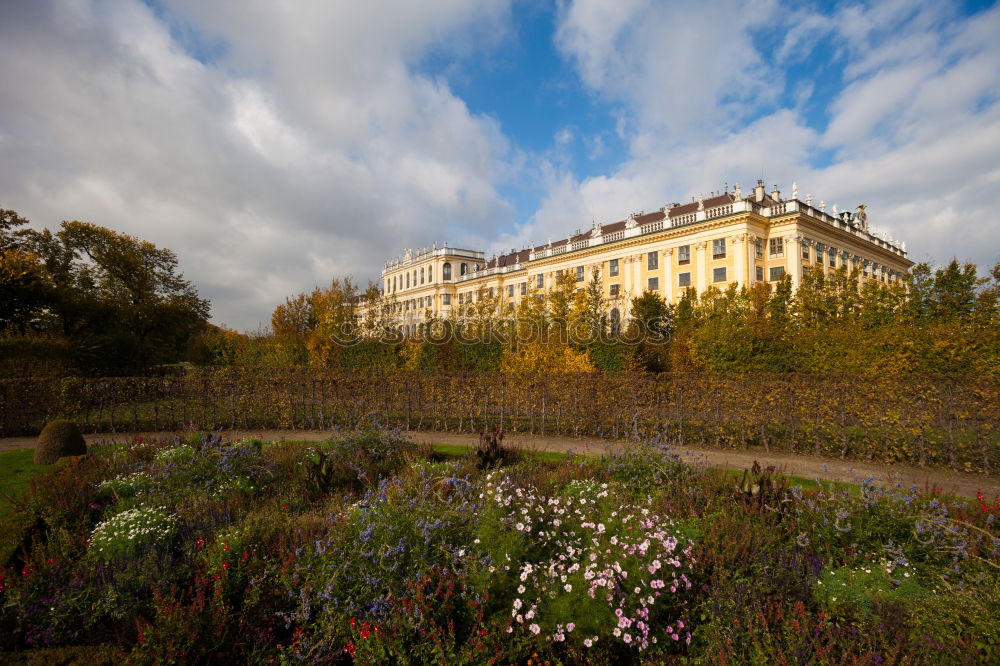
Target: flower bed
point(365, 549)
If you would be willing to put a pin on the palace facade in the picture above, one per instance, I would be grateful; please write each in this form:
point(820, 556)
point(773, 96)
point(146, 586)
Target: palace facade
point(711, 241)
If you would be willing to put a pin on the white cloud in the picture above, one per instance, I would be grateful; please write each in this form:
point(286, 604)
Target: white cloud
point(270, 146)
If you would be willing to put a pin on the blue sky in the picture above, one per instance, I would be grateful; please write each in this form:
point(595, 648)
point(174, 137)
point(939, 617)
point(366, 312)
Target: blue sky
point(275, 145)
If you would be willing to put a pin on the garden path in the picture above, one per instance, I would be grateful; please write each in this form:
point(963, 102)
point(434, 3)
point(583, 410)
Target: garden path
point(811, 467)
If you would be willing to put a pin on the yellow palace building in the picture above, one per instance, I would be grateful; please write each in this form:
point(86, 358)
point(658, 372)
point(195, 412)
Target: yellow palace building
point(711, 241)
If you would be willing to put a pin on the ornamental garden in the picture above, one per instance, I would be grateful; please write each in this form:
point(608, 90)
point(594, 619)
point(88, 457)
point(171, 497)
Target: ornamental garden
point(369, 549)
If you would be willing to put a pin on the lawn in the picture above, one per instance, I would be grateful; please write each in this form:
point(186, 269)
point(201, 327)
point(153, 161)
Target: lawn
point(369, 549)
point(16, 467)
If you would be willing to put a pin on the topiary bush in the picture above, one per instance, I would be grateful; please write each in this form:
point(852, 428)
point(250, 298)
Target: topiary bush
point(59, 438)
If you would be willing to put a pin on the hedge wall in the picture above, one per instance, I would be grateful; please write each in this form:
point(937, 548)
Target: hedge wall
point(924, 420)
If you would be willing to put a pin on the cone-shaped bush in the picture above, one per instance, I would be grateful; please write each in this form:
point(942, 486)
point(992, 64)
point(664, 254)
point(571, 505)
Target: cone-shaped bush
point(59, 438)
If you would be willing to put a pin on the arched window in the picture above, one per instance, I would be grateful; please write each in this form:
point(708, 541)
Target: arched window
point(464, 269)
point(414, 277)
point(394, 283)
point(421, 276)
point(446, 272)
point(430, 274)
point(407, 280)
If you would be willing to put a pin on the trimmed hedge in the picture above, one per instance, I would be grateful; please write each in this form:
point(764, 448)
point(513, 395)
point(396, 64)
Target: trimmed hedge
point(924, 420)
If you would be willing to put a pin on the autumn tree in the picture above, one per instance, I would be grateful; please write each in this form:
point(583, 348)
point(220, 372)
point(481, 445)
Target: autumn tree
point(22, 278)
point(332, 309)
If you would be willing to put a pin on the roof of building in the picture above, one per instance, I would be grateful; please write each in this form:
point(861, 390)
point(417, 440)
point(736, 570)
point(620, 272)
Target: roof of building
point(671, 211)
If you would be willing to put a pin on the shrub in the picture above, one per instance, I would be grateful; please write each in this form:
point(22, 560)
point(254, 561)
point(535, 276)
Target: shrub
point(59, 438)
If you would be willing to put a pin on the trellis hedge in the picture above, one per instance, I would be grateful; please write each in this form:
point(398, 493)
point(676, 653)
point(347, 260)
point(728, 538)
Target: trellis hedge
point(926, 420)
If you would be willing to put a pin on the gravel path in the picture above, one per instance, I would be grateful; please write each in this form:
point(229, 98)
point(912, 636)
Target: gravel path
point(807, 466)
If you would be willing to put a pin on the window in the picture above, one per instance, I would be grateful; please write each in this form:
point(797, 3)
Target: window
point(394, 283)
point(805, 249)
point(684, 254)
point(719, 248)
point(652, 260)
point(833, 257)
point(420, 302)
point(407, 280)
point(510, 291)
point(446, 271)
point(430, 274)
point(614, 290)
point(445, 299)
point(461, 299)
point(683, 279)
point(760, 274)
point(613, 268)
point(759, 248)
point(719, 274)
point(820, 251)
point(524, 288)
point(414, 277)
point(776, 273)
point(776, 247)
point(491, 292)
point(463, 269)
point(579, 273)
point(653, 284)
point(540, 281)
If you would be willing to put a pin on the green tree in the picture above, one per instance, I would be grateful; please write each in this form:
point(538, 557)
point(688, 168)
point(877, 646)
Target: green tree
point(121, 300)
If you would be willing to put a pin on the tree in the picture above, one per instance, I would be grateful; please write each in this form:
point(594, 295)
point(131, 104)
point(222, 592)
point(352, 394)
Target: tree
point(588, 321)
point(119, 299)
point(333, 311)
point(22, 278)
point(953, 292)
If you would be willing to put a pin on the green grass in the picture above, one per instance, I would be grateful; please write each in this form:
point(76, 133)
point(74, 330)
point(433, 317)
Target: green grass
point(462, 450)
point(803, 482)
point(16, 468)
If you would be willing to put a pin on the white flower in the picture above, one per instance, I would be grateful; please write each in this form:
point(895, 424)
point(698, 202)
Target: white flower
point(535, 629)
point(568, 587)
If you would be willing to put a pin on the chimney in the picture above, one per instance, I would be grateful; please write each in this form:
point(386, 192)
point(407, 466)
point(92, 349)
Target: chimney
point(758, 192)
point(776, 195)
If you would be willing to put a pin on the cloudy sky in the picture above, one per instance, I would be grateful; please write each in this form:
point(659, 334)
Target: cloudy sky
point(275, 145)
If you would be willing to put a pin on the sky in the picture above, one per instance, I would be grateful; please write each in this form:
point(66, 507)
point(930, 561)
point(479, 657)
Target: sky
point(276, 145)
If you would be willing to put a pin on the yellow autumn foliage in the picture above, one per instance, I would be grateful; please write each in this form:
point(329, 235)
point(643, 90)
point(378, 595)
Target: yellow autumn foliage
point(545, 358)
